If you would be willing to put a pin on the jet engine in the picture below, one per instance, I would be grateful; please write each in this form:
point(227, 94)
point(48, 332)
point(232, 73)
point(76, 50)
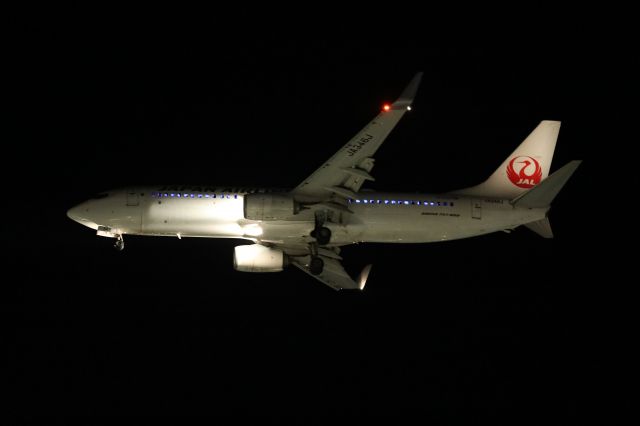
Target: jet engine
point(269, 206)
point(258, 258)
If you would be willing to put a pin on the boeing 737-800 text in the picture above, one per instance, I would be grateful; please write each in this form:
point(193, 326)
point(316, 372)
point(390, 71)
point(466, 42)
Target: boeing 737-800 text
point(306, 226)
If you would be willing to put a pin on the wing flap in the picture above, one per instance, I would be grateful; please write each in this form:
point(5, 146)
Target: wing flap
point(333, 273)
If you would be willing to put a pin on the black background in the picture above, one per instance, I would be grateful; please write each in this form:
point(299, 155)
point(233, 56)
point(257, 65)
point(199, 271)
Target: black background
point(502, 325)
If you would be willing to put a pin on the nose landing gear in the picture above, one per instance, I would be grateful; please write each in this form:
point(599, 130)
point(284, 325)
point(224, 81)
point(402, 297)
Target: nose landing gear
point(119, 244)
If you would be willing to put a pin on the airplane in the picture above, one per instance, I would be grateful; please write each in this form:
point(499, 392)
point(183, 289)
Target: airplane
point(306, 226)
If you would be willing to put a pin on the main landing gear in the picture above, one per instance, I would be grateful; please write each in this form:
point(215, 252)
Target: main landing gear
point(321, 233)
point(316, 265)
point(119, 244)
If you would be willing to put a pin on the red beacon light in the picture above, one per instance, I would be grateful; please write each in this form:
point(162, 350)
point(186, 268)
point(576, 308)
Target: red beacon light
point(386, 107)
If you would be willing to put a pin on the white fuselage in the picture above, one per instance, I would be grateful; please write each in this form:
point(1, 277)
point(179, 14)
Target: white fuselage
point(376, 217)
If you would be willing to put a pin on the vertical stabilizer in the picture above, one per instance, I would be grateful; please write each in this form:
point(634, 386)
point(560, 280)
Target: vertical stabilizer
point(526, 167)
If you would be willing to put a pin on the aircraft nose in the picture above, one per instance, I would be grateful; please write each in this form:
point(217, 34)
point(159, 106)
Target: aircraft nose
point(80, 214)
point(74, 213)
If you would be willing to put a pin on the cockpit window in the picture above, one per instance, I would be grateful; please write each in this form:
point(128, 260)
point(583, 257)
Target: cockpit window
point(99, 196)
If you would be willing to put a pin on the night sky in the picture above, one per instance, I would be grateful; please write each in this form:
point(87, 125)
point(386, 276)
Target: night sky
point(499, 326)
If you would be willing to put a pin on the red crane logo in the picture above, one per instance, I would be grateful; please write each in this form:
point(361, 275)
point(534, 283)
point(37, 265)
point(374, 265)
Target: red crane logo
point(528, 175)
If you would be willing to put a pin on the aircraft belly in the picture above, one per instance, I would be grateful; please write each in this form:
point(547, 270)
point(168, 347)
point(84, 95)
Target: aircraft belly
point(420, 225)
point(412, 230)
point(408, 225)
point(288, 232)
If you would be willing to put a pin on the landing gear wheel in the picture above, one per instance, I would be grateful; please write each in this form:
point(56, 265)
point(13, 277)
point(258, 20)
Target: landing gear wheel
point(316, 265)
point(119, 244)
point(323, 235)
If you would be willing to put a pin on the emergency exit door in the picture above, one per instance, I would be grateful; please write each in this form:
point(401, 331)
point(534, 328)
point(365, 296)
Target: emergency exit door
point(132, 198)
point(476, 209)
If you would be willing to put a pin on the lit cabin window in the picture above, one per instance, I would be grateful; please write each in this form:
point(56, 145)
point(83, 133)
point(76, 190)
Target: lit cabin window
point(166, 194)
point(357, 201)
point(199, 195)
point(393, 201)
point(378, 201)
point(206, 195)
point(386, 201)
point(235, 196)
point(406, 202)
point(418, 202)
point(178, 195)
point(213, 195)
point(365, 201)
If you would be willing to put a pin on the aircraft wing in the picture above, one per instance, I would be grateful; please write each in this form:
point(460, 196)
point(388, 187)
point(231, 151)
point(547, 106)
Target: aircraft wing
point(345, 172)
point(333, 274)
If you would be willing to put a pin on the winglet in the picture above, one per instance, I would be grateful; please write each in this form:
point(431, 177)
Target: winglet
point(364, 275)
point(408, 94)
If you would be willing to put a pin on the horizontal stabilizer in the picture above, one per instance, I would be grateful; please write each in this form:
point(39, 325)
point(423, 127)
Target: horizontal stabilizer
point(541, 227)
point(543, 194)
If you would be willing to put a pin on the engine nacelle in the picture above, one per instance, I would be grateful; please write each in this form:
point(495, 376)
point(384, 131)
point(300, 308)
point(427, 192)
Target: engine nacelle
point(269, 206)
point(258, 258)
